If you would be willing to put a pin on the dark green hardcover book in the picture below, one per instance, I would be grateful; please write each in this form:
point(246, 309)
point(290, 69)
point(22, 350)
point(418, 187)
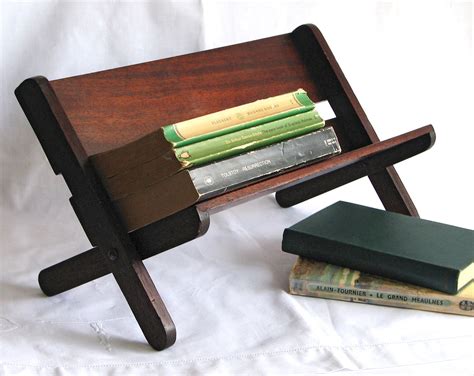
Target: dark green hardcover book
point(387, 244)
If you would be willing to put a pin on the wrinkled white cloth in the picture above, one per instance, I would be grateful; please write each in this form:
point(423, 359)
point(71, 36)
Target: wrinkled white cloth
point(409, 64)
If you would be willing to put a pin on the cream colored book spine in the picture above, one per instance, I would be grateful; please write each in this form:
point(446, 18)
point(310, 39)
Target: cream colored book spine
point(237, 118)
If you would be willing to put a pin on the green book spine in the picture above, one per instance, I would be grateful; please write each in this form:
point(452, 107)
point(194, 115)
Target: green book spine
point(322, 280)
point(237, 118)
point(248, 139)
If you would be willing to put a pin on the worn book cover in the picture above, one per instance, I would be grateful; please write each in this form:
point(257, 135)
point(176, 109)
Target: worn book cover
point(322, 280)
point(166, 164)
point(189, 186)
point(218, 177)
point(248, 139)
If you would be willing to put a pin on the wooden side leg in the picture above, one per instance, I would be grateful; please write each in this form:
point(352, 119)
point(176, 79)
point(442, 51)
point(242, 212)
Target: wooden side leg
point(354, 128)
point(73, 272)
point(114, 250)
point(132, 278)
point(89, 265)
point(392, 192)
point(146, 304)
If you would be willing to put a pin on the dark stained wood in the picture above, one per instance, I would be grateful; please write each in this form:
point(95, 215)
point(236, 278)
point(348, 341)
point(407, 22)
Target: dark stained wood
point(150, 240)
point(104, 228)
point(111, 108)
point(73, 272)
point(365, 161)
point(355, 129)
point(145, 302)
point(77, 117)
point(170, 232)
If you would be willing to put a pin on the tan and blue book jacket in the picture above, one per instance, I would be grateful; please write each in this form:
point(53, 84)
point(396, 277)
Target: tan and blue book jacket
point(322, 280)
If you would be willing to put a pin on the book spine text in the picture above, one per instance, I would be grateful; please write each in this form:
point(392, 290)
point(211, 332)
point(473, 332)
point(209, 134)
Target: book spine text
point(236, 118)
point(218, 177)
point(443, 303)
point(248, 139)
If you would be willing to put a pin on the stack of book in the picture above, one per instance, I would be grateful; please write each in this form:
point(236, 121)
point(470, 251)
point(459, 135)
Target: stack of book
point(359, 254)
point(183, 163)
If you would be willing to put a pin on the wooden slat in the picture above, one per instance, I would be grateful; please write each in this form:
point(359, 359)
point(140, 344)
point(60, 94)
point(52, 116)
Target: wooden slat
point(333, 172)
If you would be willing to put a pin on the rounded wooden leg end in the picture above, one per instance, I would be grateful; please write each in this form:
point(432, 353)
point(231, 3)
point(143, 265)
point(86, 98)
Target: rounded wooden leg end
point(282, 201)
point(164, 339)
point(45, 283)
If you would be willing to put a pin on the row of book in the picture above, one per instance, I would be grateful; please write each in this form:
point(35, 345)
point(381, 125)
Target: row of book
point(183, 163)
point(359, 254)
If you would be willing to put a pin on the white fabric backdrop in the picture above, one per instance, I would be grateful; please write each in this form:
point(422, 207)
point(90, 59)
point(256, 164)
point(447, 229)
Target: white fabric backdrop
point(409, 63)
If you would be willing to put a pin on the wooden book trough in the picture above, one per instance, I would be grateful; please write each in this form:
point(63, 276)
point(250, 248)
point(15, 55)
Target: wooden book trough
point(77, 117)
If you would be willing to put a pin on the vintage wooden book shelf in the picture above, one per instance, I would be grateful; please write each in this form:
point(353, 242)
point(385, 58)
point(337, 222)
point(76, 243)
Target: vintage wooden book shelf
point(76, 117)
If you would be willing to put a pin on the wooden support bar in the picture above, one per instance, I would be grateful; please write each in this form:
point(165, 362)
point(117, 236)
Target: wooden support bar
point(73, 272)
point(355, 164)
point(174, 230)
point(330, 173)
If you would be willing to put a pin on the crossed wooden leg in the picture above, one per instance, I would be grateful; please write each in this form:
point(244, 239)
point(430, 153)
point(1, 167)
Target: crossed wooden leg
point(132, 278)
